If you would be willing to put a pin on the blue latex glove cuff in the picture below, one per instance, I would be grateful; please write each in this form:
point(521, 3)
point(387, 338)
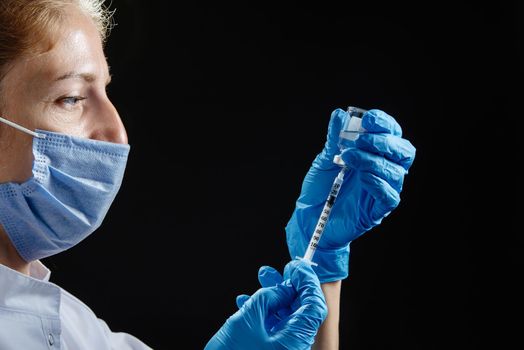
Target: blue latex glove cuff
point(332, 265)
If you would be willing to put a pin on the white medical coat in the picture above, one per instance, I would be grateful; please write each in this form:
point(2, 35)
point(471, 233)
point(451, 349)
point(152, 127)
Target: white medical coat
point(37, 314)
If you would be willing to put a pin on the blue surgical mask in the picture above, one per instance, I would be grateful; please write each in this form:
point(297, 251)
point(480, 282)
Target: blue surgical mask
point(74, 182)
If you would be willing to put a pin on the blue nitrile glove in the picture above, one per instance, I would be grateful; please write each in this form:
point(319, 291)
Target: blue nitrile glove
point(270, 277)
point(248, 327)
point(370, 191)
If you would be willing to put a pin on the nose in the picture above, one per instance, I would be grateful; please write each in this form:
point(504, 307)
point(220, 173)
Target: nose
point(108, 125)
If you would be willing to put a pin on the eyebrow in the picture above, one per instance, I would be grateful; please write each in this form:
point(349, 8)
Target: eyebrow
point(88, 77)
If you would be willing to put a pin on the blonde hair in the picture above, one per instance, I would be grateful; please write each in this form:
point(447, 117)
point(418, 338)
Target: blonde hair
point(28, 26)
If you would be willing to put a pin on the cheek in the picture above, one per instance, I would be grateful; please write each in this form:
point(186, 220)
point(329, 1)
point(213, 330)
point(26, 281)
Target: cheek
point(52, 117)
point(16, 162)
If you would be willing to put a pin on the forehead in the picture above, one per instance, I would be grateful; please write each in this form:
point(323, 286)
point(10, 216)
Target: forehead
point(77, 48)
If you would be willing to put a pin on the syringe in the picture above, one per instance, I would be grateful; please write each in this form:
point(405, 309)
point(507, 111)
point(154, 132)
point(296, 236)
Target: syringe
point(349, 133)
point(324, 216)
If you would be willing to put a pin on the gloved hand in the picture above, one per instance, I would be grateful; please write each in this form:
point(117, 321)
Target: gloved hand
point(270, 277)
point(256, 324)
point(370, 191)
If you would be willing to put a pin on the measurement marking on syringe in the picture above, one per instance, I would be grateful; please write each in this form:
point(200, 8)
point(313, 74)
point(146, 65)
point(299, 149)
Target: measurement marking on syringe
point(324, 216)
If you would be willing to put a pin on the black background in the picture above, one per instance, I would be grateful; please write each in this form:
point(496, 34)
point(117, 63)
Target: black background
point(226, 106)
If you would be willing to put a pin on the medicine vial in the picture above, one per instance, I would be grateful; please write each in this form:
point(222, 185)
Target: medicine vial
point(350, 131)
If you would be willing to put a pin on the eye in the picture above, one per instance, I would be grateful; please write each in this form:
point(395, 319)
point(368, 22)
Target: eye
point(71, 101)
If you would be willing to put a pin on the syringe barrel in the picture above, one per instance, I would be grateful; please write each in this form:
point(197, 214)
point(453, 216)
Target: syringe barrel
point(324, 216)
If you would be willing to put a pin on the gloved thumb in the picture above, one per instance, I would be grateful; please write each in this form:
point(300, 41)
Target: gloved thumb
point(310, 294)
point(270, 300)
point(300, 327)
point(269, 277)
point(241, 299)
point(331, 146)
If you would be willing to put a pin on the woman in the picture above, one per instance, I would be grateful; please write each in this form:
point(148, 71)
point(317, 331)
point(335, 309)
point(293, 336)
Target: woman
point(63, 154)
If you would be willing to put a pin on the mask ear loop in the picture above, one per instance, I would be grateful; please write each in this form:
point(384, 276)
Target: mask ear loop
point(21, 128)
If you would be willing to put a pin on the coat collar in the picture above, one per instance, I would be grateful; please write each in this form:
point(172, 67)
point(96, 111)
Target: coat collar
point(32, 294)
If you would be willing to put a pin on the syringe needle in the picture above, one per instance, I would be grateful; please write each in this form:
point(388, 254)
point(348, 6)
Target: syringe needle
point(324, 216)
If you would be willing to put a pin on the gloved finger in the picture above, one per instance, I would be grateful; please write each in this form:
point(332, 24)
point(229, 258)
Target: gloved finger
point(279, 319)
point(375, 121)
point(364, 161)
point(268, 301)
point(241, 299)
point(313, 306)
point(302, 325)
point(268, 276)
point(331, 145)
point(386, 197)
point(394, 148)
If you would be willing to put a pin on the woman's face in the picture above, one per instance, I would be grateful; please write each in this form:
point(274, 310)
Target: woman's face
point(61, 90)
